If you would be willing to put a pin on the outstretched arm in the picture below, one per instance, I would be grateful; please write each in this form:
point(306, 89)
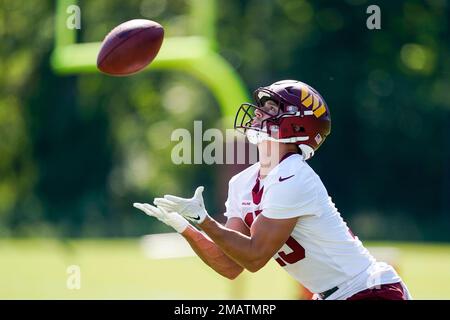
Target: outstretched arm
point(205, 248)
point(251, 251)
point(254, 251)
point(212, 254)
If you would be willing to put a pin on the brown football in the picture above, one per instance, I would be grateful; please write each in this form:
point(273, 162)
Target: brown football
point(130, 47)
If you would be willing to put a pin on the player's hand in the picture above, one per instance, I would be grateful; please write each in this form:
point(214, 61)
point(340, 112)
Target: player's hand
point(192, 209)
point(172, 219)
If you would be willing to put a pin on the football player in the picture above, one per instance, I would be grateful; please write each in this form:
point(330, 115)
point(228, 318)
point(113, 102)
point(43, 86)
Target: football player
point(279, 208)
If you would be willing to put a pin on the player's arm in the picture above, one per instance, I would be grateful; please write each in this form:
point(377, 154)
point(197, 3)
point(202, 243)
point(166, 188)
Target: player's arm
point(205, 248)
point(255, 250)
point(212, 254)
point(250, 251)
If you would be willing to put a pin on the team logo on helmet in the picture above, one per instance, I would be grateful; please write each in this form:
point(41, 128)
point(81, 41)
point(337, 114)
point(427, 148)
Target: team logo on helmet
point(310, 99)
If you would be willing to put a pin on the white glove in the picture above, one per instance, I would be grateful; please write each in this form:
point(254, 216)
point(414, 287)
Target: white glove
point(172, 219)
point(192, 209)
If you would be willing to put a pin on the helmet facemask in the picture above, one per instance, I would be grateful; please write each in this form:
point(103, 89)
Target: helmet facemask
point(255, 132)
point(267, 129)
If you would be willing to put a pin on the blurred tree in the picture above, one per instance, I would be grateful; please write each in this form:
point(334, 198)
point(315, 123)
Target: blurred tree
point(75, 152)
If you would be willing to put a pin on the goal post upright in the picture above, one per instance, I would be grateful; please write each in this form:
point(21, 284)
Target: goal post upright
point(195, 55)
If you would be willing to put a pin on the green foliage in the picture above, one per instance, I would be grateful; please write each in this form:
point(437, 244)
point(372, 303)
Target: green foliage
point(75, 152)
point(385, 162)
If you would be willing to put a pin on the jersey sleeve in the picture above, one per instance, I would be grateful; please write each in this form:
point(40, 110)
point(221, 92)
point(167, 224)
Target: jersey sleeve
point(231, 205)
point(292, 198)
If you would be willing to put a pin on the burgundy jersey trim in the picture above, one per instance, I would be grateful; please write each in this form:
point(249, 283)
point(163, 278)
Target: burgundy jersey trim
point(256, 193)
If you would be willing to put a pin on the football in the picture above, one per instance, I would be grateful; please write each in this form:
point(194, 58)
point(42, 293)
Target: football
point(130, 47)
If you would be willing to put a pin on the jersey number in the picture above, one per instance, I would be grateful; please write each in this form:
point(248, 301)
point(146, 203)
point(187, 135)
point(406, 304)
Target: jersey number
point(298, 252)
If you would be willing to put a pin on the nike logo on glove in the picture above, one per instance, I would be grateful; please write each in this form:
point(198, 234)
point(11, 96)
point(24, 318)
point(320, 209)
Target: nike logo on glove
point(196, 218)
point(282, 179)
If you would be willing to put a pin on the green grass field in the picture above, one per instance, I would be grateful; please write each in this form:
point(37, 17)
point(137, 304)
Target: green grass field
point(119, 269)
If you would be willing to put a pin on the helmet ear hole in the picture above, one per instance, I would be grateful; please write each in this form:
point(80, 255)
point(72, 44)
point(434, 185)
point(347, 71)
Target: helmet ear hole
point(298, 128)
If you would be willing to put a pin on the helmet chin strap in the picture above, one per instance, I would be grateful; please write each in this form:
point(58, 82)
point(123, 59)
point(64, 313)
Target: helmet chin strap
point(307, 151)
point(256, 137)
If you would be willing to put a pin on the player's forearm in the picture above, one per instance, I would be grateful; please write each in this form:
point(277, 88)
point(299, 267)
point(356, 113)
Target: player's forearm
point(211, 254)
point(235, 244)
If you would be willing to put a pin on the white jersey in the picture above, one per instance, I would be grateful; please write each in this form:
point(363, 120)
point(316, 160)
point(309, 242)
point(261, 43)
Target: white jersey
point(321, 253)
